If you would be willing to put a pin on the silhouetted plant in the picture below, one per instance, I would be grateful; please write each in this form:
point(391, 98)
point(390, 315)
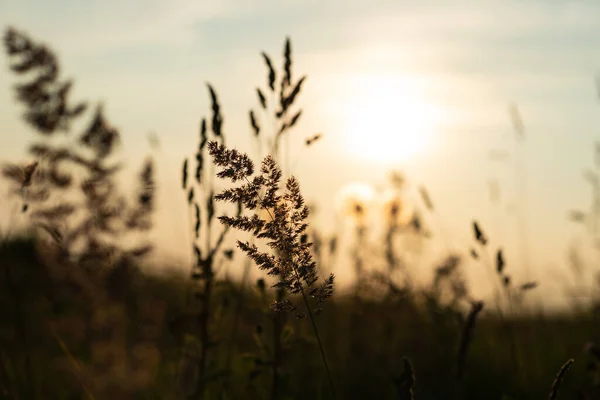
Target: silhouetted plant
point(277, 104)
point(271, 348)
point(89, 227)
point(590, 220)
point(70, 190)
point(207, 247)
point(292, 262)
point(449, 285)
point(405, 383)
point(467, 337)
point(559, 378)
point(124, 355)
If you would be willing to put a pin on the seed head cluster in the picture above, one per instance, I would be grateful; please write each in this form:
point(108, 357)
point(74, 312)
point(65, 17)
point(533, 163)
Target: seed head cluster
point(291, 260)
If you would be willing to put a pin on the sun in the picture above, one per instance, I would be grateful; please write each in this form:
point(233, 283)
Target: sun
point(387, 119)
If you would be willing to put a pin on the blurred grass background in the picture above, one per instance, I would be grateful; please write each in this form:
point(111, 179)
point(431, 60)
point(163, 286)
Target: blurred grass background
point(113, 327)
point(125, 327)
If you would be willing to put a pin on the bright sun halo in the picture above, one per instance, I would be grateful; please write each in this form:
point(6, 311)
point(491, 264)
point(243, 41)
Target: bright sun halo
point(388, 120)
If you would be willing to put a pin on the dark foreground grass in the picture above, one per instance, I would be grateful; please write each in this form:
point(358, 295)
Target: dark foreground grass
point(118, 335)
point(95, 324)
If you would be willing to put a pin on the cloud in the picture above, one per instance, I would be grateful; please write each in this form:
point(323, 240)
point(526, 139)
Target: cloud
point(98, 26)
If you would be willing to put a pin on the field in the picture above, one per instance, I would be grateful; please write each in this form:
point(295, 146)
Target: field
point(83, 317)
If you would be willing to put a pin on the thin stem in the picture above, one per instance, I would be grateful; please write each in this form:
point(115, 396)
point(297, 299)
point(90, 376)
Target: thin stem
point(521, 183)
point(310, 314)
point(192, 239)
point(236, 319)
point(416, 198)
point(204, 334)
point(358, 258)
point(497, 288)
point(277, 354)
point(210, 217)
point(189, 292)
point(505, 323)
point(316, 331)
point(74, 363)
point(205, 298)
point(390, 255)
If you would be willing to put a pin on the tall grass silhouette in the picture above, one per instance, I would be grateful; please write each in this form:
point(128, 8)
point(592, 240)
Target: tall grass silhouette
point(83, 318)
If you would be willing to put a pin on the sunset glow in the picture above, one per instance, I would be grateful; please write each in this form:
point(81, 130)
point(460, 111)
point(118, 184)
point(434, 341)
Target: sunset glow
point(300, 199)
point(388, 120)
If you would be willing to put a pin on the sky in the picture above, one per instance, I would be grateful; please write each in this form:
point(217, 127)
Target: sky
point(422, 87)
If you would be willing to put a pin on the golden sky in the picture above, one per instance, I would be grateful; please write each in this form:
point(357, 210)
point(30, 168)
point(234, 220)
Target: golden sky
point(423, 87)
